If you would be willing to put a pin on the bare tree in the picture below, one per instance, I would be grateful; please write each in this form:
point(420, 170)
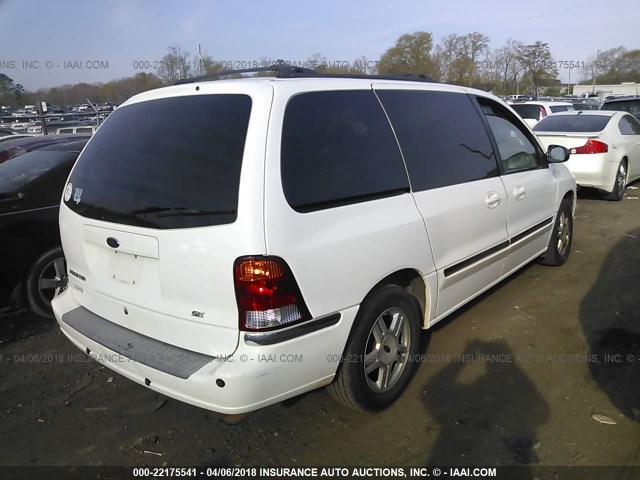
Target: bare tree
point(457, 57)
point(537, 64)
point(174, 65)
point(507, 63)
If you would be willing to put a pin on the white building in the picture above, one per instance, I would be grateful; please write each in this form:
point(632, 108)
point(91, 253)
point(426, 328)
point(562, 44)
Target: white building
point(625, 88)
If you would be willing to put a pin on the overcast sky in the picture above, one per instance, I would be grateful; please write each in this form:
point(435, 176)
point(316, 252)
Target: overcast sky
point(43, 43)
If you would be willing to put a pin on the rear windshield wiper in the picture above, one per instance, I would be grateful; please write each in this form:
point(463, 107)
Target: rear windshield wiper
point(182, 211)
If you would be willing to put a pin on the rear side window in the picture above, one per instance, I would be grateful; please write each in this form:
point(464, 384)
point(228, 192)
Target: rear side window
point(338, 148)
point(573, 123)
point(628, 125)
point(167, 163)
point(532, 112)
point(443, 139)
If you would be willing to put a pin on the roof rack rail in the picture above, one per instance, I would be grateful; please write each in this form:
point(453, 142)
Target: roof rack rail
point(280, 68)
point(285, 70)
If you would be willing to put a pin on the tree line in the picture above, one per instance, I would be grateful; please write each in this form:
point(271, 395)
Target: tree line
point(460, 59)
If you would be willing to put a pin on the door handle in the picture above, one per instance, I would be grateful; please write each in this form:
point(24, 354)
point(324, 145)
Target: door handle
point(492, 199)
point(519, 192)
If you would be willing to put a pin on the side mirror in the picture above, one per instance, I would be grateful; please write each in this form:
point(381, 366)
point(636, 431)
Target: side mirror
point(557, 154)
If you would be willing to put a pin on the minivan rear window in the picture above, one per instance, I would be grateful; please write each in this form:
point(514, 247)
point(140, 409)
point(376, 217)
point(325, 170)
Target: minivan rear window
point(167, 163)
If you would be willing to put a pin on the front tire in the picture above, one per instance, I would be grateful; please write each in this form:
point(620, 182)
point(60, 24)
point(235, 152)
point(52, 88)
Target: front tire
point(561, 238)
point(379, 358)
point(43, 281)
point(620, 184)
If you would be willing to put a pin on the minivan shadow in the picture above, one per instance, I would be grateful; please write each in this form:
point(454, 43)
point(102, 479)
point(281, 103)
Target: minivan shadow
point(486, 408)
point(611, 325)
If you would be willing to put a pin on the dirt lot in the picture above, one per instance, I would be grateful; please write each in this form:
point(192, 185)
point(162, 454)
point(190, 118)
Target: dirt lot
point(513, 379)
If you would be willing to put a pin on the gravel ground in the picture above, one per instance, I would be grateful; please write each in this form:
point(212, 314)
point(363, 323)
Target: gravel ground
point(515, 378)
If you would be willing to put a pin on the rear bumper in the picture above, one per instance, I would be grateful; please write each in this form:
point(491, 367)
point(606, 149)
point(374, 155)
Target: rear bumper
point(594, 171)
point(256, 375)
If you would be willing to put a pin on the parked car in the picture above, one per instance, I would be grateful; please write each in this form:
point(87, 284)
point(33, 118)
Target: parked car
point(298, 232)
point(605, 147)
point(84, 129)
point(21, 143)
point(32, 177)
point(520, 98)
point(35, 129)
point(18, 123)
point(533, 112)
point(625, 104)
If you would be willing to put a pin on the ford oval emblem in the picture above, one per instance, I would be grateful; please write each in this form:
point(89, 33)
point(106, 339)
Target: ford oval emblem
point(113, 242)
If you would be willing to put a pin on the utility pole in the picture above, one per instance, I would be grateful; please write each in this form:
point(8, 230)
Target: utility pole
point(595, 70)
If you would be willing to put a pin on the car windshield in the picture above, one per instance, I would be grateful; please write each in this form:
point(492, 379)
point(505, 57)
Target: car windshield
point(163, 173)
point(572, 123)
point(21, 170)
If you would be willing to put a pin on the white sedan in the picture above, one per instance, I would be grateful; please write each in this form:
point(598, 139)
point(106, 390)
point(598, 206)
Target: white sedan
point(604, 146)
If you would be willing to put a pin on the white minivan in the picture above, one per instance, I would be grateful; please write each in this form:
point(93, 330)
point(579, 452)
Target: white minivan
point(299, 231)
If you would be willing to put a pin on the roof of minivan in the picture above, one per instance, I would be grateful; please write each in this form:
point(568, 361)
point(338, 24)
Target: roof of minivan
point(255, 84)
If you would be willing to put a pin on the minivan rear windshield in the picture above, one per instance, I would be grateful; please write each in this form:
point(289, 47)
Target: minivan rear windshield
point(572, 123)
point(166, 163)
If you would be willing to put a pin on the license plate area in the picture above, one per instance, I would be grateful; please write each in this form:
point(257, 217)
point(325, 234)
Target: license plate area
point(125, 268)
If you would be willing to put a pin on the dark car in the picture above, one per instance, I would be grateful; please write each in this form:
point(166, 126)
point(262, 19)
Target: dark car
point(15, 146)
point(33, 172)
point(625, 104)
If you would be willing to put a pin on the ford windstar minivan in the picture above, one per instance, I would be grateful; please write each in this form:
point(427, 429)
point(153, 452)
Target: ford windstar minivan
point(298, 231)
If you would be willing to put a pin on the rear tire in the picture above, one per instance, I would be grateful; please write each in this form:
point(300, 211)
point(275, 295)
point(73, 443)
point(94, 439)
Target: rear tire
point(561, 238)
point(620, 183)
point(379, 359)
point(43, 281)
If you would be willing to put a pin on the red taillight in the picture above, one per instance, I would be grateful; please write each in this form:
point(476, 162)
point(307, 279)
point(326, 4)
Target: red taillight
point(543, 113)
point(267, 294)
point(592, 146)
